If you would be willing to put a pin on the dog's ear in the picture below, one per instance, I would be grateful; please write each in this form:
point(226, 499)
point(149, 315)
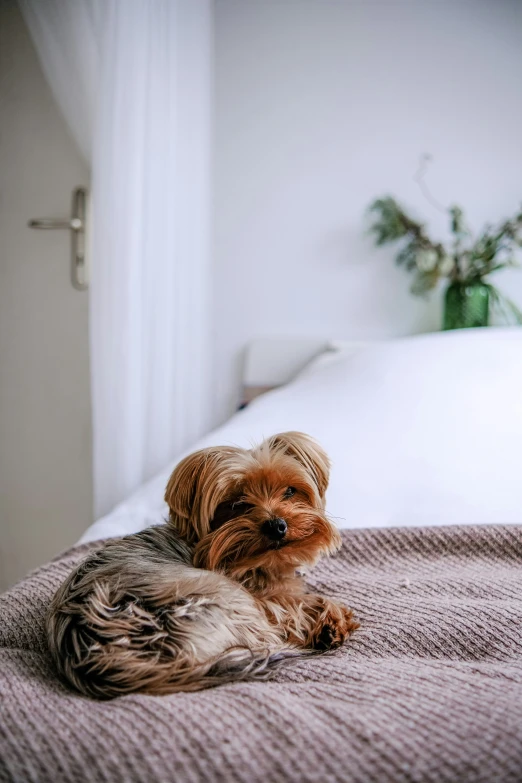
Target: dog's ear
point(195, 489)
point(307, 452)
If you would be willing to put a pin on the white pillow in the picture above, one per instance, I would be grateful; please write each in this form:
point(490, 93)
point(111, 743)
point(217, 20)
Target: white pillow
point(425, 430)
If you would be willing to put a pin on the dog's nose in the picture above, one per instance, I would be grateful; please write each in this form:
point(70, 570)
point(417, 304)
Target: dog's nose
point(275, 529)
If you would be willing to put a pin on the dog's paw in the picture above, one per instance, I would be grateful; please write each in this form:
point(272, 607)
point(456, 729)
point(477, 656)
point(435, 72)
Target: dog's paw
point(336, 623)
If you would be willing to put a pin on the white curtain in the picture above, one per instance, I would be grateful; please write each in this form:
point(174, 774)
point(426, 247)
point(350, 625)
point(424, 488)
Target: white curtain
point(132, 78)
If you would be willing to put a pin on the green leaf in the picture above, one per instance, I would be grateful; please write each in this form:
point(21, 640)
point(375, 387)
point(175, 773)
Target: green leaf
point(505, 306)
point(457, 221)
point(390, 224)
point(424, 282)
point(408, 256)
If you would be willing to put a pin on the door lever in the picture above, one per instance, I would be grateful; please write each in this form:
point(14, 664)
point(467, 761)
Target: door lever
point(76, 225)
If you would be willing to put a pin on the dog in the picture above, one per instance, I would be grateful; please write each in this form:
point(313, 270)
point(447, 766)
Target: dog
point(215, 595)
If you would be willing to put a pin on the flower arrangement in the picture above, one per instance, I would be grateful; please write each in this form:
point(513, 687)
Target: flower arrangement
point(466, 262)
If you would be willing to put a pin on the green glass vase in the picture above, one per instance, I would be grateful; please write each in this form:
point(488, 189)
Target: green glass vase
point(466, 305)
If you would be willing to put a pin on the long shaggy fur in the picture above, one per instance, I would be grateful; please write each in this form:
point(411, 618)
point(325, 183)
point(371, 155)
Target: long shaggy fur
point(211, 596)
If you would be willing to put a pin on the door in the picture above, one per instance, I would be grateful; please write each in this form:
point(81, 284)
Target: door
point(45, 428)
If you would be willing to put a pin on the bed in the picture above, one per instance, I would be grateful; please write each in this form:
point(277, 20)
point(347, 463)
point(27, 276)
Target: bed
point(425, 437)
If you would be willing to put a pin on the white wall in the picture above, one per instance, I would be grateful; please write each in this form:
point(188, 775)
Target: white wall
point(322, 105)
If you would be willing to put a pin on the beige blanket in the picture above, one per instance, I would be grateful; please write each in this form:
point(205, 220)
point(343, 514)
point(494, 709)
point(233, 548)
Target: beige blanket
point(429, 689)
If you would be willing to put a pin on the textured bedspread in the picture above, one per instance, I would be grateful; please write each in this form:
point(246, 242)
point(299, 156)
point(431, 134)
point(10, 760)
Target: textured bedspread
point(429, 688)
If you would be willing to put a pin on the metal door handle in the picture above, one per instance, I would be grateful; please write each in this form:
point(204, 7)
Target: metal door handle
point(76, 225)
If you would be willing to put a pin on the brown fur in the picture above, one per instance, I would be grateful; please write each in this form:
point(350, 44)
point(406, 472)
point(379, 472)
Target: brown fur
point(209, 597)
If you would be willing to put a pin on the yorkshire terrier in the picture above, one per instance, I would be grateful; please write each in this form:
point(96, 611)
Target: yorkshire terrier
point(215, 595)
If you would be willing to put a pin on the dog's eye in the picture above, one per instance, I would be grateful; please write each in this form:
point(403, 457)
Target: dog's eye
point(228, 510)
point(239, 506)
point(290, 491)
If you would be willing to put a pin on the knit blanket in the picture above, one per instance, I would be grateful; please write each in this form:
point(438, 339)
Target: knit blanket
point(429, 688)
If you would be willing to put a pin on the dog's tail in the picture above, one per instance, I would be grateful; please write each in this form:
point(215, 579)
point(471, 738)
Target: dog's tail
point(105, 672)
point(238, 664)
point(107, 642)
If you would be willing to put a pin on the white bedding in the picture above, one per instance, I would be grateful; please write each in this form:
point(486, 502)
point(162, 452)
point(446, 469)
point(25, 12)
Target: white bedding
point(425, 430)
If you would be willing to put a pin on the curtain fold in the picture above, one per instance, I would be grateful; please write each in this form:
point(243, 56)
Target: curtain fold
point(132, 79)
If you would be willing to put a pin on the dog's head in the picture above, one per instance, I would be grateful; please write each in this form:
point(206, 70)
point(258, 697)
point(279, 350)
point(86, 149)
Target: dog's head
point(258, 509)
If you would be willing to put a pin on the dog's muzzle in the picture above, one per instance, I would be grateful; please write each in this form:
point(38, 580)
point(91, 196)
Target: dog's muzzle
point(275, 529)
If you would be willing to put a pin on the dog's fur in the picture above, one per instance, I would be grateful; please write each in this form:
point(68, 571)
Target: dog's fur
point(210, 596)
